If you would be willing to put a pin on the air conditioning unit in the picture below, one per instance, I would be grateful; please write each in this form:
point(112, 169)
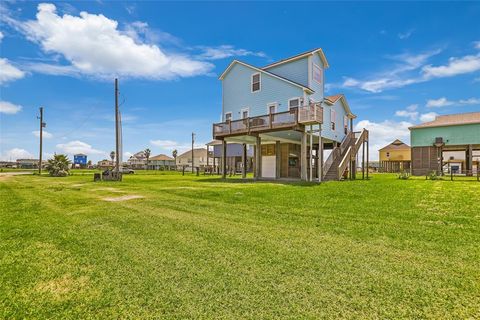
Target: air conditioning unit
point(438, 142)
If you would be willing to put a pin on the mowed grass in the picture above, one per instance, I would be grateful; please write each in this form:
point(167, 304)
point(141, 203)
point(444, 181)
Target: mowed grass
point(197, 247)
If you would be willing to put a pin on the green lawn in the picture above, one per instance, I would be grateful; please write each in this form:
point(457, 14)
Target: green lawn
point(196, 247)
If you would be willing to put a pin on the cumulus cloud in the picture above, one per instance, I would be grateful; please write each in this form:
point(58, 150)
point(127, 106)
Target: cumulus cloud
point(74, 147)
point(383, 133)
point(95, 46)
point(455, 66)
point(16, 153)
point(46, 134)
point(409, 112)
point(9, 72)
point(9, 108)
point(1, 36)
point(429, 116)
point(444, 102)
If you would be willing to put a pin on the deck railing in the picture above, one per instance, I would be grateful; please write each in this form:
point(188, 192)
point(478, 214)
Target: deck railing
point(352, 151)
point(287, 119)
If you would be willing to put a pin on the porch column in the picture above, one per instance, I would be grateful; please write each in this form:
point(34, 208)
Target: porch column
point(278, 162)
point(310, 178)
point(224, 159)
point(208, 149)
point(351, 124)
point(258, 157)
point(367, 158)
point(320, 157)
point(303, 157)
point(244, 161)
point(469, 159)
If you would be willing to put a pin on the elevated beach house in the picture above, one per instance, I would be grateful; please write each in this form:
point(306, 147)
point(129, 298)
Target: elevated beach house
point(282, 111)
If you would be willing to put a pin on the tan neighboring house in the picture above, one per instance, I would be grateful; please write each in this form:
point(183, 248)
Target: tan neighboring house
point(161, 162)
point(395, 157)
point(199, 160)
point(137, 161)
point(105, 164)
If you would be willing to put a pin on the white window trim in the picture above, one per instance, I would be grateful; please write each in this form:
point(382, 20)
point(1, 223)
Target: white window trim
point(260, 82)
point(296, 98)
point(313, 72)
point(231, 115)
point(243, 110)
point(274, 104)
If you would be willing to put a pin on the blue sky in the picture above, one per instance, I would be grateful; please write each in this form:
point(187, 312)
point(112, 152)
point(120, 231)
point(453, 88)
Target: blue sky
point(397, 63)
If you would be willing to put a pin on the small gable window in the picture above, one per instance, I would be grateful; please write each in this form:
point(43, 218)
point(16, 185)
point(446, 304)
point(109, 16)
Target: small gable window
point(293, 103)
point(332, 118)
point(317, 73)
point(256, 82)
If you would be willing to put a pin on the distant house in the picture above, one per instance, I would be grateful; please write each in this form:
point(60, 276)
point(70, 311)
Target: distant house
point(234, 156)
point(200, 158)
point(105, 164)
point(161, 162)
point(395, 157)
point(29, 163)
point(137, 161)
point(8, 164)
point(79, 160)
point(448, 143)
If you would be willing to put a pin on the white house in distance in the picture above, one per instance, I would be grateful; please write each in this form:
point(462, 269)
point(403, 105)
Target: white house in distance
point(199, 159)
point(281, 109)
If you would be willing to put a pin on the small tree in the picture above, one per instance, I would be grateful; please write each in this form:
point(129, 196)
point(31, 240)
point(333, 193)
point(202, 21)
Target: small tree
point(58, 166)
point(112, 156)
point(147, 155)
point(174, 154)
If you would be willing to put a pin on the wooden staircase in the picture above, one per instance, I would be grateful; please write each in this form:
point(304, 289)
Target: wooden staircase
point(343, 156)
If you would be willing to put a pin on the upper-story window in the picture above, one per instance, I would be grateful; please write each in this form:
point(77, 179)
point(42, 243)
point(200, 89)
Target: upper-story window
point(332, 118)
point(228, 116)
point(256, 82)
point(345, 124)
point(317, 73)
point(293, 103)
point(272, 108)
point(245, 113)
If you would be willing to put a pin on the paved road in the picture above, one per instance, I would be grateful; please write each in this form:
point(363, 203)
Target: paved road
point(15, 173)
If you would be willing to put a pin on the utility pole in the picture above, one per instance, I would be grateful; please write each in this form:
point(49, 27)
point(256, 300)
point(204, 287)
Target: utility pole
point(117, 146)
point(42, 125)
point(193, 141)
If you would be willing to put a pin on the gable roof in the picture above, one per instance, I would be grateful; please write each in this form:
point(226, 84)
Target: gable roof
point(198, 152)
point(230, 66)
point(162, 157)
point(331, 100)
point(451, 120)
point(300, 56)
point(396, 145)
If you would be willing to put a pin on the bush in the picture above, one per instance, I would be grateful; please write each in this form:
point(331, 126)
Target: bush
point(434, 176)
point(58, 166)
point(404, 175)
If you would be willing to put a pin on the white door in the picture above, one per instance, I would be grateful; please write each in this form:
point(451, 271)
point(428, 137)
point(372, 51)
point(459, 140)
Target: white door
point(268, 166)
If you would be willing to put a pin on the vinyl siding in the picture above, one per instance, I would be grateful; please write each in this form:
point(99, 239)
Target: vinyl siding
point(338, 134)
point(452, 135)
point(314, 85)
point(296, 70)
point(237, 93)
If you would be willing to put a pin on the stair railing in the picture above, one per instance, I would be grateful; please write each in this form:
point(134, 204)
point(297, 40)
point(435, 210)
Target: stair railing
point(351, 152)
point(330, 160)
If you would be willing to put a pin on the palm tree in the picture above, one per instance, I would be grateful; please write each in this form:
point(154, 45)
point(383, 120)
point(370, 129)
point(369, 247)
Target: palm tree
point(58, 166)
point(147, 155)
point(174, 154)
point(112, 156)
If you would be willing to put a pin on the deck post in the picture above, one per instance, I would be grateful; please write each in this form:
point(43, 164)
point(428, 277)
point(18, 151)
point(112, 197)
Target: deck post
point(469, 158)
point(303, 157)
point(367, 158)
point(363, 160)
point(224, 159)
point(258, 157)
point(320, 156)
point(244, 161)
point(310, 178)
point(278, 162)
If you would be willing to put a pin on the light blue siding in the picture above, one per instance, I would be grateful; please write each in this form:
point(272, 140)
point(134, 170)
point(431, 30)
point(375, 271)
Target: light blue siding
point(338, 134)
point(296, 71)
point(237, 93)
point(314, 85)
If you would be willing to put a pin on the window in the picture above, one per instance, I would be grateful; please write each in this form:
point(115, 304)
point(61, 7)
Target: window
point(388, 154)
point(244, 113)
point(255, 82)
point(228, 116)
point(332, 118)
point(272, 108)
point(268, 150)
point(345, 124)
point(293, 103)
point(317, 73)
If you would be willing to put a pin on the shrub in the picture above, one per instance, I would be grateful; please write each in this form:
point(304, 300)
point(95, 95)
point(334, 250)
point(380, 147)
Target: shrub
point(434, 176)
point(404, 175)
point(58, 166)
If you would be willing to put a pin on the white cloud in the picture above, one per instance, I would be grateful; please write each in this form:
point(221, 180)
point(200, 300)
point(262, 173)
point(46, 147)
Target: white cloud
point(9, 108)
point(46, 134)
point(9, 71)
point(444, 102)
point(127, 154)
point(409, 112)
point(226, 51)
point(405, 35)
point(16, 153)
point(76, 146)
point(383, 133)
point(455, 66)
point(430, 116)
point(1, 36)
point(95, 46)
point(170, 145)
point(476, 44)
